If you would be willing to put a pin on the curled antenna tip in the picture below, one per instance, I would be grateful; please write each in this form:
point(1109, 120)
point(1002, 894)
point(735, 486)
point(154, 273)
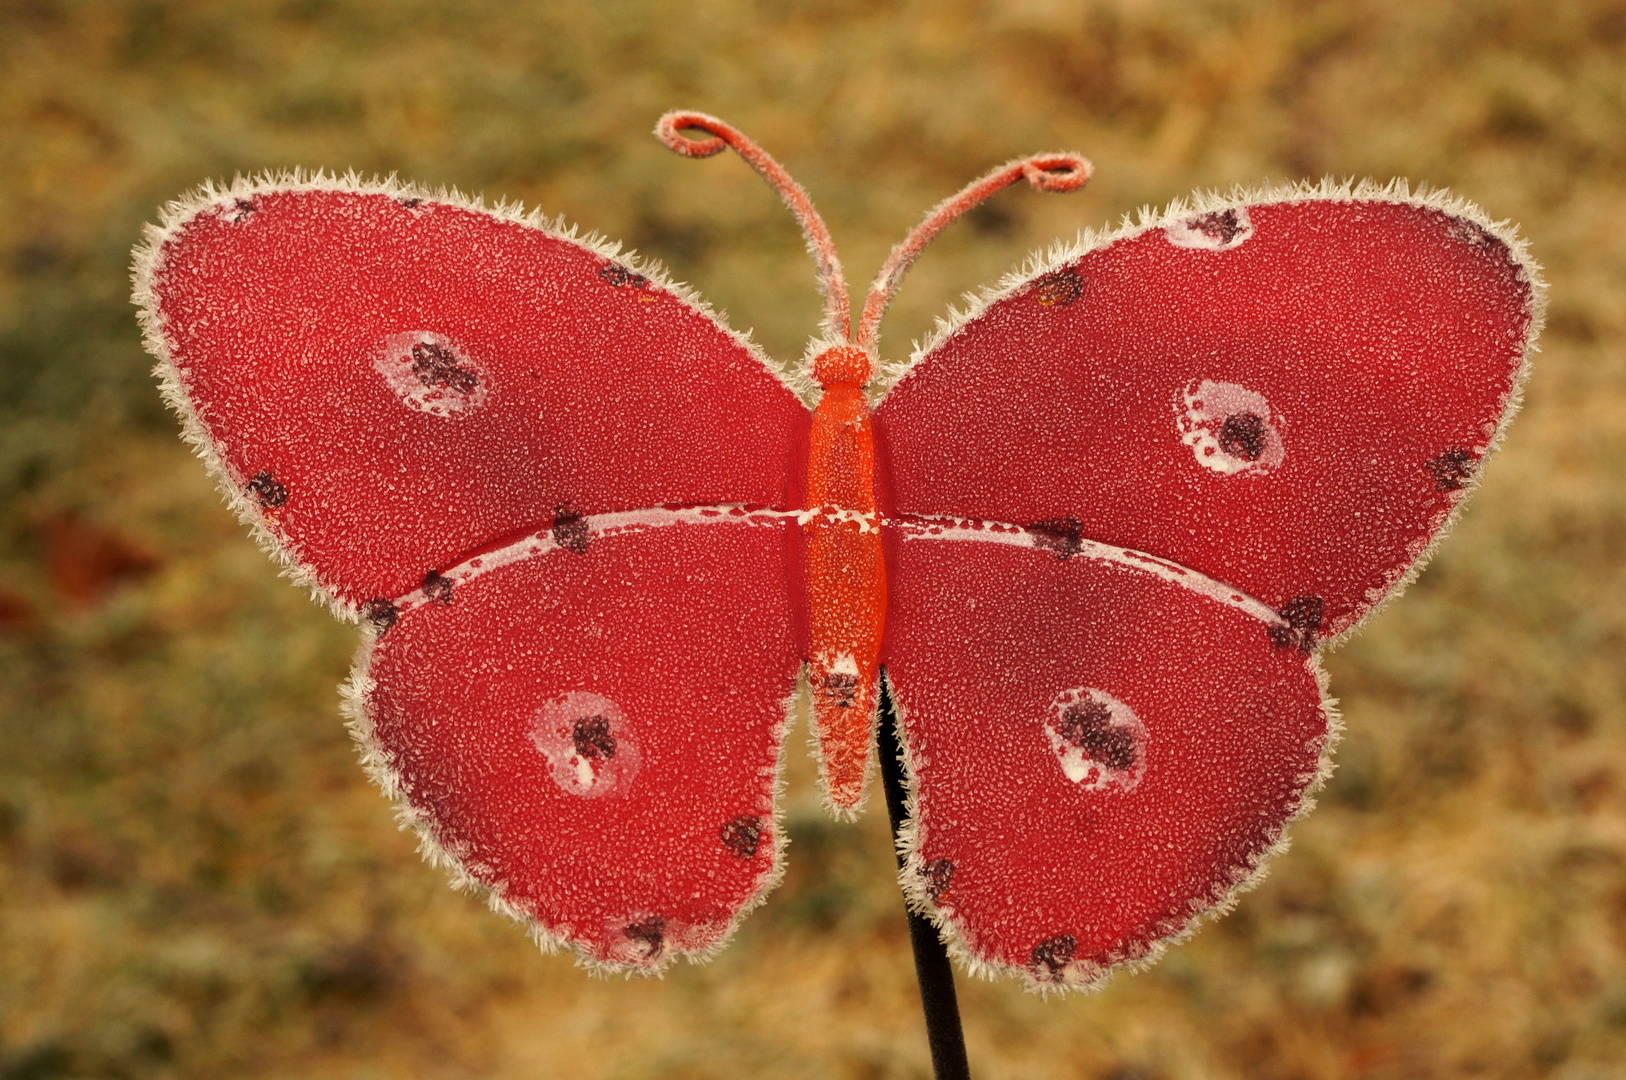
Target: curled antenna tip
point(669, 130)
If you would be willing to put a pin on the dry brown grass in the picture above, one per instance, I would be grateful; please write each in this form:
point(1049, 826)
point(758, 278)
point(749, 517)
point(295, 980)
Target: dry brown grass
point(195, 879)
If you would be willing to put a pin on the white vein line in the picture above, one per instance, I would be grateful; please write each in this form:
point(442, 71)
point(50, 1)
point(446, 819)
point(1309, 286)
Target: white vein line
point(994, 532)
point(540, 543)
point(913, 528)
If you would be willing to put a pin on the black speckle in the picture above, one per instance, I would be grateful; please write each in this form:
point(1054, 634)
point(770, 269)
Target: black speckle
point(1243, 435)
point(1064, 536)
point(593, 739)
point(570, 530)
point(267, 491)
point(742, 835)
point(1303, 615)
point(842, 687)
point(437, 368)
point(243, 208)
point(380, 612)
point(937, 875)
point(650, 931)
point(1059, 288)
point(411, 203)
point(617, 277)
point(437, 587)
point(1052, 955)
point(1087, 724)
point(1222, 225)
point(1451, 470)
point(1474, 235)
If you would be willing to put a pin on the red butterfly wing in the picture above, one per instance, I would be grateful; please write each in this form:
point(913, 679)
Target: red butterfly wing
point(1279, 404)
point(1101, 747)
point(387, 382)
point(474, 430)
point(1288, 396)
point(592, 729)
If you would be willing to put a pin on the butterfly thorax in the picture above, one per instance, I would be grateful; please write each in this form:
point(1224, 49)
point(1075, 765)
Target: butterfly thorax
point(846, 576)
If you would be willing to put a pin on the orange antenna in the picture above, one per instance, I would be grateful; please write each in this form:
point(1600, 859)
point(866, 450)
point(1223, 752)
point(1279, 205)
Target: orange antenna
point(1047, 172)
point(669, 129)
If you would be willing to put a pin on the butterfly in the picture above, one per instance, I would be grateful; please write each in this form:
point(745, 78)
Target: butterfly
point(1092, 535)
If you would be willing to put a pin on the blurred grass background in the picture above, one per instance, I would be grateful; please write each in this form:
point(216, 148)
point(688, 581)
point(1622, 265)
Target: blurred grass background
point(197, 881)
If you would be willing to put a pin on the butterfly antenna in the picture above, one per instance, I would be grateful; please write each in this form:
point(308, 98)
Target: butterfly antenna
point(1047, 172)
point(669, 129)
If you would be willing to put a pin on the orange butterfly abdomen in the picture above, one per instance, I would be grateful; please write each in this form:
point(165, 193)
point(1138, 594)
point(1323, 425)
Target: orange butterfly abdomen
point(846, 576)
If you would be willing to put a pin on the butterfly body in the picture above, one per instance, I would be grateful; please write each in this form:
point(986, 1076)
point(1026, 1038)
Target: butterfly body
point(1091, 537)
point(846, 574)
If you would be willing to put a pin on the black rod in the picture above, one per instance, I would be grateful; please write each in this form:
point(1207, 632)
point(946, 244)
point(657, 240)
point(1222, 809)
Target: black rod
point(932, 970)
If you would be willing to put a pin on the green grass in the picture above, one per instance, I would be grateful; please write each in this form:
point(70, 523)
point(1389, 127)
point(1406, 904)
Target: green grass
point(196, 879)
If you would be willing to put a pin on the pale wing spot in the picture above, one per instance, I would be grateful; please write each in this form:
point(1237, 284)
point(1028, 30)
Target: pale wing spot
point(1220, 230)
point(590, 748)
point(431, 374)
point(1231, 430)
point(1098, 741)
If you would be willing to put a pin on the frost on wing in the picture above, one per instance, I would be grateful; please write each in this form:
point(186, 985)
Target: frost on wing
point(594, 736)
point(1338, 366)
point(1102, 749)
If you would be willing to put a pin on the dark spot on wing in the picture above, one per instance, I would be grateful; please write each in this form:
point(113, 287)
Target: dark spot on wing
point(1064, 536)
point(1303, 615)
point(437, 368)
point(1452, 470)
point(437, 587)
point(617, 277)
point(1221, 225)
point(1243, 436)
point(592, 737)
point(380, 612)
point(1087, 724)
point(266, 491)
point(1052, 955)
point(570, 530)
point(1058, 288)
point(650, 931)
point(936, 875)
point(742, 835)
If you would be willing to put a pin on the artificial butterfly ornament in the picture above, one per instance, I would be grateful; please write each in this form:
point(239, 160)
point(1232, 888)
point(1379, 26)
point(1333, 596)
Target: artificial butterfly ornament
point(1092, 535)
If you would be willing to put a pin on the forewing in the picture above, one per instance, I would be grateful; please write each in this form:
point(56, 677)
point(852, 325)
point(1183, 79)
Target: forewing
point(1102, 746)
point(387, 381)
point(1288, 394)
point(591, 730)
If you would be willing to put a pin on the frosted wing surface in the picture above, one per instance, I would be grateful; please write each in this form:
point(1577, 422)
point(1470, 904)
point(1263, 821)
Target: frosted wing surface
point(1289, 397)
point(1102, 746)
point(591, 729)
point(388, 383)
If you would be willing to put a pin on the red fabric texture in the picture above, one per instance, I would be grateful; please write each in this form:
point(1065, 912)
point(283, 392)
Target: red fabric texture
point(601, 390)
point(1385, 339)
point(680, 641)
point(1033, 870)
